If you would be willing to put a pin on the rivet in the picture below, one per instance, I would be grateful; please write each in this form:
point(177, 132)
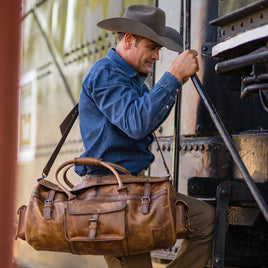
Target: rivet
point(217, 147)
point(217, 259)
point(194, 188)
point(199, 128)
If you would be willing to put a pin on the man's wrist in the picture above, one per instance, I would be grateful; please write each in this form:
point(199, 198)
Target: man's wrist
point(179, 77)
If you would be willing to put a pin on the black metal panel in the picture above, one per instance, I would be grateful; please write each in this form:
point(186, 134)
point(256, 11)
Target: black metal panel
point(224, 91)
point(206, 188)
point(247, 246)
point(246, 243)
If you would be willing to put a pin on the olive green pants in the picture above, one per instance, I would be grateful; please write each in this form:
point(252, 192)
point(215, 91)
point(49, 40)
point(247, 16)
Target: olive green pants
point(195, 249)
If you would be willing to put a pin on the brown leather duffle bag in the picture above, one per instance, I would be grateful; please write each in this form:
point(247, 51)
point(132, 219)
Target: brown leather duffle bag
point(115, 215)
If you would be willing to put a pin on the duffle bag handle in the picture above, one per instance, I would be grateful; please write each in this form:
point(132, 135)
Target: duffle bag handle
point(90, 161)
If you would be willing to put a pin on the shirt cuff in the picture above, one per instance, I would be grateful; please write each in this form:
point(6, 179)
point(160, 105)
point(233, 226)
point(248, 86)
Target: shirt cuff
point(170, 82)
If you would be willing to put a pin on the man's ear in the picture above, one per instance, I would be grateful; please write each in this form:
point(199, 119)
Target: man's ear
point(128, 40)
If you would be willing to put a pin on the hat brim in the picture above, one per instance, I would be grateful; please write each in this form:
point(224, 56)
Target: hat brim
point(126, 25)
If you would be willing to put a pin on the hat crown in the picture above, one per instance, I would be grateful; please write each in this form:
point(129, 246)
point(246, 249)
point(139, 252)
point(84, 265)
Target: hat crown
point(153, 17)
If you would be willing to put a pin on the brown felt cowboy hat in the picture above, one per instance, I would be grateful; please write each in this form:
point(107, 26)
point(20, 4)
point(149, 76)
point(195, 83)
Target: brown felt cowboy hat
point(145, 21)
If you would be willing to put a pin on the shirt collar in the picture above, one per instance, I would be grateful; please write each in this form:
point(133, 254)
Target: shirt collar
point(114, 56)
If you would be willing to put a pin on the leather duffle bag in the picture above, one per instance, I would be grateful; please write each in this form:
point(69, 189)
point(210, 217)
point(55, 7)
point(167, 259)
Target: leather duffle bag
point(116, 215)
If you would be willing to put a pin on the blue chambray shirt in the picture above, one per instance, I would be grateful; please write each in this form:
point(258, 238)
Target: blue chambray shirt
point(117, 114)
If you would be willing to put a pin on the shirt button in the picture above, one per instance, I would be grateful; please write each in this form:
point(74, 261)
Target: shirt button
point(167, 106)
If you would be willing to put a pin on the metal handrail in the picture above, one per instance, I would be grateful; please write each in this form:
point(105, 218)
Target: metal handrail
point(220, 126)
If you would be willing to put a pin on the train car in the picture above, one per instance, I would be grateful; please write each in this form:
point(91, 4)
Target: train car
point(60, 42)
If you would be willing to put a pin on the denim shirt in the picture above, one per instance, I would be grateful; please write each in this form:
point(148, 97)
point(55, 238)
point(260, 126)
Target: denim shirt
point(117, 114)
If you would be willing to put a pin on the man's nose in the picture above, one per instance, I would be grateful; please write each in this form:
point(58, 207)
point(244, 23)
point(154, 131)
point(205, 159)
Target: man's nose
point(156, 54)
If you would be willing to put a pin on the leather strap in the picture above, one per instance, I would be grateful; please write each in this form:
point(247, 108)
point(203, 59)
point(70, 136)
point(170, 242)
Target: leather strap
point(65, 128)
point(162, 156)
point(146, 199)
point(93, 224)
point(48, 204)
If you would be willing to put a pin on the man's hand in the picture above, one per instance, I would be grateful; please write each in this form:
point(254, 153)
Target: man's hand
point(185, 65)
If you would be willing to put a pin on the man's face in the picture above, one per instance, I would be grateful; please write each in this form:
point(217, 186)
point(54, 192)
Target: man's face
point(143, 54)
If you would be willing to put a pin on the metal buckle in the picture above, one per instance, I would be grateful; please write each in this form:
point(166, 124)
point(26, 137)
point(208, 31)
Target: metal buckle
point(48, 202)
point(146, 199)
point(92, 220)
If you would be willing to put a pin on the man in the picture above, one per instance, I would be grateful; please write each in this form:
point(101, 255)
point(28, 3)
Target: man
point(118, 113)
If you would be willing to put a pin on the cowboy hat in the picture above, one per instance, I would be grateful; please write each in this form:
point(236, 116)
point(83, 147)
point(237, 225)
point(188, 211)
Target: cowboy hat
point(146, 21)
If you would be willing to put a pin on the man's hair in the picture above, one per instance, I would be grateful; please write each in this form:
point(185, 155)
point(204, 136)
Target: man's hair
point(121, 35)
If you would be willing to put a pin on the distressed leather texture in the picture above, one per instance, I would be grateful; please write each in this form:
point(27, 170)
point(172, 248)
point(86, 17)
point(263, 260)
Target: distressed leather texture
point(97, 217)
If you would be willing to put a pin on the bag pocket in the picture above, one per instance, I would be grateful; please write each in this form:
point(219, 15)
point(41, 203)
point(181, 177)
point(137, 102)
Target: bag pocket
point(181, 218)
point(21, 223)
point(90, 221)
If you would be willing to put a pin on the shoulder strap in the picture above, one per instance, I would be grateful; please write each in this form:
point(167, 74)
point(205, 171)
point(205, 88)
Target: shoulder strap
point(65, 128)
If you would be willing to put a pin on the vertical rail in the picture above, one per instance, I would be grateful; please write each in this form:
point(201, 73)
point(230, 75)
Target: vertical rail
point(219, 124)
point(177, 122)
point(9, 77)
point(187, 24)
